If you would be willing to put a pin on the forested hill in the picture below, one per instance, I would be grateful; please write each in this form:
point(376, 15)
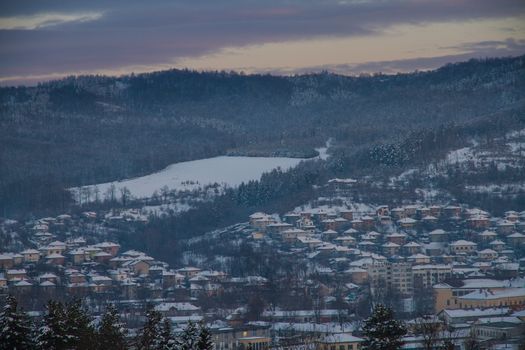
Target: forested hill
point(89, 129)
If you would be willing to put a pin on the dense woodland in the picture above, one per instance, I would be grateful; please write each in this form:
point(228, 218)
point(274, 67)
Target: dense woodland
point(70, 326)
point(89, 129)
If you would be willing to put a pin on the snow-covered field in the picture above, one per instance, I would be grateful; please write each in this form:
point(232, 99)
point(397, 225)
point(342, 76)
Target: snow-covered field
point(223, 170)
point(226, 171)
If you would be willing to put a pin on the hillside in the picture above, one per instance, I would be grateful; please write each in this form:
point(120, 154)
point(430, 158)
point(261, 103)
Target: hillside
point(93, 129)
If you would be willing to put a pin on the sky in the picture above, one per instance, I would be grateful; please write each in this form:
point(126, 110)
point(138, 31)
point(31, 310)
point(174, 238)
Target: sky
point(48, 39)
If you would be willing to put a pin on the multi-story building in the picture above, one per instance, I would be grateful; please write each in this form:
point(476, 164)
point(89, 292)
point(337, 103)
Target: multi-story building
point(425, 276)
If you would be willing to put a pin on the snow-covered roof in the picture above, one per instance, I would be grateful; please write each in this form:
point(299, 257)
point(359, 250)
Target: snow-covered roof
point(461, 313)
point(462, 242)
point(342, 338)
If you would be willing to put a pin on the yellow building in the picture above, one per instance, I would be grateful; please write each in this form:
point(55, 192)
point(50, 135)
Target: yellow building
point(253, 343)
point(510, 297)
point(341, 341)
point(448, 297)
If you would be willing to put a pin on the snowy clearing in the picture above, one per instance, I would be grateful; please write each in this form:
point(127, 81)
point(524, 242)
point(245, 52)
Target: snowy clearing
point(226, 171)
point(223, 170)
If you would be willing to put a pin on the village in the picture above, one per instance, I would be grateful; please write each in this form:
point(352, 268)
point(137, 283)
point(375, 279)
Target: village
point(445, 263)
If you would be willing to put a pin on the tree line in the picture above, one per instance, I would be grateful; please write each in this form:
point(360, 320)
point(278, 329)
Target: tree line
point(70, 326)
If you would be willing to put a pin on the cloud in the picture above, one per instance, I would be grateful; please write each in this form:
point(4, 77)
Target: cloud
point(43, 20)
point(140, 33)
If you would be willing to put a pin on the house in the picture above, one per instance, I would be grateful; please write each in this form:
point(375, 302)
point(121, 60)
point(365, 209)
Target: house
point(329, 235)
point(487, 254)
point(308, 242)
point(429, 220)
point(50, 277)
point(16, 275)
point(390, 248)
point(291, 218)
point(435, 210)
point(347, 241)
point(412, 248)
point(138, 266)
point(340, 341)
point(31, 255)
point(347, 214)
point(397, 238)
point(290, 235)
point(253, 343)
point(478, 222)
point(109, 248)
point(275, 229)
point(418, 259)
point(55, 259)
point(171, 309)
point(422, 212)
point(22, 286)
point(501, 328)
point(398, 213)
point(462, 246)
point(6, 261)
point(357, 275)
point(329, 224)
point(407, 223)
point(505, 227)
point(452, 211)
point(78, 256)
point(56, 247)
point(497, 245)
point(367, 222)
point(171, 279)
point(189, 271)
point(256, 337)
point(487, 236)
point(516, 239)
point(102, 257)
point(455, 316)
point(438, 235)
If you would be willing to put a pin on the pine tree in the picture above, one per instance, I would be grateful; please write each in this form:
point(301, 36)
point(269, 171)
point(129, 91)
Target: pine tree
point(165, 340)
point(52, 335)
point(15, 327)
point(79, 328)
point(205, 341)
point(111, 334)
point(188, 339)
point(147, 336)
point(382, 331)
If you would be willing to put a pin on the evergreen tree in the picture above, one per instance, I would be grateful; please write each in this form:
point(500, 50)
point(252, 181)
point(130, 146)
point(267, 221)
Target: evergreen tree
point(111, 334)
point(79, 328)
point(382, 331)
point(147, 337)
point(189, 338)
point(52, 335)
point(205, 341)
point(15, 327)
point(165, 340)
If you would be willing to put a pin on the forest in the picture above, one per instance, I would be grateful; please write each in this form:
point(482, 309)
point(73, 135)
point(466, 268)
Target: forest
point(88, 129)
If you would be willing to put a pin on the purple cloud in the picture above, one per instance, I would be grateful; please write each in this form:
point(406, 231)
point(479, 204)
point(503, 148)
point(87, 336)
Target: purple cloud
point(151, 33)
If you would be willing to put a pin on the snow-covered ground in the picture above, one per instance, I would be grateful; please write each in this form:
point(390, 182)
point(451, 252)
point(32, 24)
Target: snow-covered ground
point(223, 170)
point(226, 171)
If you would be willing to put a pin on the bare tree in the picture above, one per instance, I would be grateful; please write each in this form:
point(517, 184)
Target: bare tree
point(429, 328)
point(125, 195)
